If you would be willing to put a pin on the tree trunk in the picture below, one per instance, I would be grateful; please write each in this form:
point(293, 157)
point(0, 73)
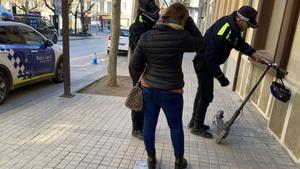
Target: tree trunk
point(82, 18)
point(75, 29)
point(83, 27)
point(112, 62)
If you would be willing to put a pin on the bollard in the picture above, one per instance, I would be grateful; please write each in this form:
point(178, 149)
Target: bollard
point(95, 61)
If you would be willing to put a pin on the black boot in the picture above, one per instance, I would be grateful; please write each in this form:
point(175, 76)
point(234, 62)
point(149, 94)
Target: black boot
point(180, 163)
point(200, 129)
point(204, 127)
point(202, 133)
point(138, 134)
point(191, 123)
point(151, 161)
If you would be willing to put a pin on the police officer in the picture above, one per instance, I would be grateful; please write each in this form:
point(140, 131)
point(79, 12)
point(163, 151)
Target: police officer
point(219, 39)
point(148, 14)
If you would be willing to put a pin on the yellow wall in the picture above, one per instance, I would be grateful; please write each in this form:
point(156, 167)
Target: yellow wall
point(283, 118)
point(294, 61)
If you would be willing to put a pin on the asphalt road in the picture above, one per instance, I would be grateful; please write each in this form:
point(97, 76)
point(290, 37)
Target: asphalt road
point(83, 72)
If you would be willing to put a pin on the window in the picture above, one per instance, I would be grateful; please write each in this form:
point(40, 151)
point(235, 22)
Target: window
point(108, 7)
point(9, 35)
point(88, 4)
point(277, 22)
point(101, 7)
point(123, 7)
point(30, 36)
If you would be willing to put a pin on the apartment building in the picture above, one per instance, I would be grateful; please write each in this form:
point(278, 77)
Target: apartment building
point(102, 13)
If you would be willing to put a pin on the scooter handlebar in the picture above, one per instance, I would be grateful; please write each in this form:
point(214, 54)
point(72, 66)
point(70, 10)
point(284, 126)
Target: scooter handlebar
point(279, 71)
point(265, 62)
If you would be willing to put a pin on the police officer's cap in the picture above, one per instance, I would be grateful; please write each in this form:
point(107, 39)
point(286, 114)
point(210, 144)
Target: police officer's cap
point(248, 14)
point(149, 7)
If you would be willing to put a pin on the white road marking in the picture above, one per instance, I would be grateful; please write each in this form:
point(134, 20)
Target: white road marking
point(86, 56)
point(100, 60)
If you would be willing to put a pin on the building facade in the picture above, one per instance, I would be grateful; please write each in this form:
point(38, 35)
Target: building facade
point(99, 16)
point(102, 13)
point(277, 38)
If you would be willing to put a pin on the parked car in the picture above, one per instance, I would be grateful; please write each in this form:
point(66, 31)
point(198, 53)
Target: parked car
point(44, 26)
point(123, 42)
point(26, 56)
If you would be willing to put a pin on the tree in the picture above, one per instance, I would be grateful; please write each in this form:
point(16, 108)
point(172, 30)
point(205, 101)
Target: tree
point(75, 14)
point(112, 62)
point(83, 15)
point(52, 6)
point(33, 5)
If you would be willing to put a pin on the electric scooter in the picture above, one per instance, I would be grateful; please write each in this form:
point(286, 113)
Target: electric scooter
point(224, 127)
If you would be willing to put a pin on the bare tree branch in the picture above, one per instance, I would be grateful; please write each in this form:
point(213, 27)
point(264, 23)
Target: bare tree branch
point(34, 7)
point(70, 5)
point(76, 10)
point(48, 6)
point(22, 7)
point(90, 8)
point(166, 3)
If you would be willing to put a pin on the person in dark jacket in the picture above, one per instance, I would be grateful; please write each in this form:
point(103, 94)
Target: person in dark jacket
point(148, 14)
point(219, 40)
point(162, 50)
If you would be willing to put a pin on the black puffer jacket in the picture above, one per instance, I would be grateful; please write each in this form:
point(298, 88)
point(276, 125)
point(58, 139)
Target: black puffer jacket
point(162, 50)
point(219, 40)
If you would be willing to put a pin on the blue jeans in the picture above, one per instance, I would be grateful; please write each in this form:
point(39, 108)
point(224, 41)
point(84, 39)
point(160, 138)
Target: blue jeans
point(172, 105)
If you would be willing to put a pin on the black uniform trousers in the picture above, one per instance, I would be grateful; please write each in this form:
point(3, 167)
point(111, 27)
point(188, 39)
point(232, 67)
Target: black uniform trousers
point(137, 117)
point(137, 120)
point(204, 94)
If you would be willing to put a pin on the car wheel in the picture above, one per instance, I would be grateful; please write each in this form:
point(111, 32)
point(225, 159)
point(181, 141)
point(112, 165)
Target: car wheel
point(108, 52)
point(4, 87)
point(59, 73)
point(54, 39)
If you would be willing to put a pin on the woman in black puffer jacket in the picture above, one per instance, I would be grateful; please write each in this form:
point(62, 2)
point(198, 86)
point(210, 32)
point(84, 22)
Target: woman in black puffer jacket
point(161, 49)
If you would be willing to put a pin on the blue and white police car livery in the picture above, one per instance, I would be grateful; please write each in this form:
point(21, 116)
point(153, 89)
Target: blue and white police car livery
point(26, 56)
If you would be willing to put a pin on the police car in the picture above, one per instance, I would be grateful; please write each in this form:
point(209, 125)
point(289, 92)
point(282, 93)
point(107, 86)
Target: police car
point(26, 56)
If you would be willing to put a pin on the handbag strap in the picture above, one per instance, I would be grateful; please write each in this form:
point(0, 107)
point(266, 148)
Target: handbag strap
point(140, 79)
point(279, 76)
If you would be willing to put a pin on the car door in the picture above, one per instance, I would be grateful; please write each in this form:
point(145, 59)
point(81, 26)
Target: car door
point(41, 56)
point(14, 55)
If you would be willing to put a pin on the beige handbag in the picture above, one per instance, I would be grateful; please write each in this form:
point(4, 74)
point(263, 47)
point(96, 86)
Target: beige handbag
point(134, 100)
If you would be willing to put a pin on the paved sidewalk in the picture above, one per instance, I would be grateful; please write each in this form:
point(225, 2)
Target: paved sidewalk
point(92, 131)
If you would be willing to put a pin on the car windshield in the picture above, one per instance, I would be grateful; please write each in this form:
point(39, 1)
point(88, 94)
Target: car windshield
point(124, 32)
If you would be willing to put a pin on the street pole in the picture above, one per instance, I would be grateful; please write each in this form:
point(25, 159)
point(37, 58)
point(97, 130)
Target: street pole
point(26, 7)
point(66, 51)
